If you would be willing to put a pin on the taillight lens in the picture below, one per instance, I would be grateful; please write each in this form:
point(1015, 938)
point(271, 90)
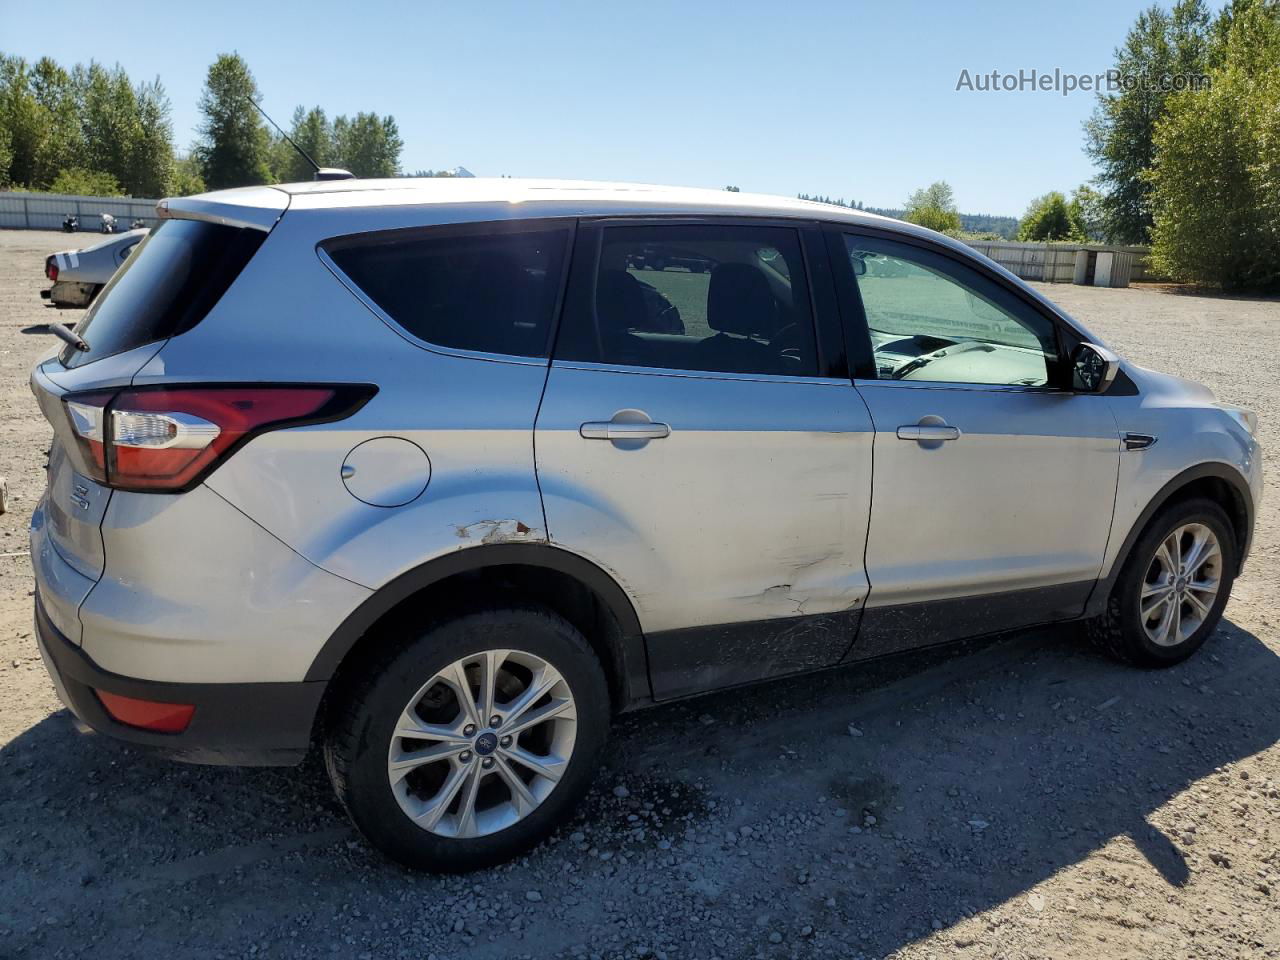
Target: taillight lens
point(169, 438)
point(88, 415)
point(51, 268)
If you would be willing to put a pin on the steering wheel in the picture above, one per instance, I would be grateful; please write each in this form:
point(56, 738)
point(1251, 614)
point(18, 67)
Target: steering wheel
point(789, 342)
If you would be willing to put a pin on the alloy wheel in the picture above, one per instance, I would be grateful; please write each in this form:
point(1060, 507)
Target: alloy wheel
point(482, 743)
point(1181, 584)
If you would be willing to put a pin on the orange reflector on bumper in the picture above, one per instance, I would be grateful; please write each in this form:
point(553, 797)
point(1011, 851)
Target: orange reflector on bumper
point(147, 714)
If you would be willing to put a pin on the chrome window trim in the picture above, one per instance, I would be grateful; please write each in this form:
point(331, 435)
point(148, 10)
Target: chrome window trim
point(696, 374)
point(408, 337)
point(1018, 388)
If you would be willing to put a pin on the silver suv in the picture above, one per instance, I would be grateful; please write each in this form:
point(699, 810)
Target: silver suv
point(444, 474)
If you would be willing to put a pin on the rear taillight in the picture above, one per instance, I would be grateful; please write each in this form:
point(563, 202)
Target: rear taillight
point(169, 438)
point(51, 268)
point(88, 415)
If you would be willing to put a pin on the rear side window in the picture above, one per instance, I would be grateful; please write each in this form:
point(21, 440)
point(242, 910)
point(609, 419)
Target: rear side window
point(164, 287)
point(493, 290)
point(724, 298)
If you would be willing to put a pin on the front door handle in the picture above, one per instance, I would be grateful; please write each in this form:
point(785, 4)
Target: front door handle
point(625, 425)
point(607, 430)
point(928, 432)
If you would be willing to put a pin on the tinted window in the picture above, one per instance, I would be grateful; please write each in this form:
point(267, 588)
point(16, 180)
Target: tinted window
point(493, 292)
point(165, 286)
point(729, 299)
point(931, 318)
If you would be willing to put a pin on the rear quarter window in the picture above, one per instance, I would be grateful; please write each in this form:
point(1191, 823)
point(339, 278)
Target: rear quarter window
point(491, 288)
point(165, 286)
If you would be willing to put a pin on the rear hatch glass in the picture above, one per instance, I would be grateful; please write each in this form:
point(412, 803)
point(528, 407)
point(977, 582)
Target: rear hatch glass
point(165, 287)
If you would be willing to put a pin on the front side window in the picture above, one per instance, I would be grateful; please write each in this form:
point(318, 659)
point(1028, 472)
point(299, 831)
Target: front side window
point(718, 298)
point(493, 290)
point(931, 318)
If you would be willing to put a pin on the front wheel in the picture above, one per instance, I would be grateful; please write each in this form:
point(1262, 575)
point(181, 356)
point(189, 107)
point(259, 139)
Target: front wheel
point(471, 742)
point(1172, 590)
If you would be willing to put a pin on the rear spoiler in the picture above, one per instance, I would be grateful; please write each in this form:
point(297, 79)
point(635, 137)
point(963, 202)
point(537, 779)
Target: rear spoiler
point(257, 208)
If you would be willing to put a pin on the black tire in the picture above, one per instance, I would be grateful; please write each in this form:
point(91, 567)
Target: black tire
point(1119, 631)
point(362, 720)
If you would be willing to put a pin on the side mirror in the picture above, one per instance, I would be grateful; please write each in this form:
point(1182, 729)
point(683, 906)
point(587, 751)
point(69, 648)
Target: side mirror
point(1093, 368)
point(859, 266)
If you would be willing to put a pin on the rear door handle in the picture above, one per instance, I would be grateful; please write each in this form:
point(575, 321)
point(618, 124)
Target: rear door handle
point(928, 432)
point(615, 430)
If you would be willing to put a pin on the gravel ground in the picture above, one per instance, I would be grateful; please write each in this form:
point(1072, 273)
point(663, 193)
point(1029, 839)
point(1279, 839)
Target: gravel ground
point(1011, 798)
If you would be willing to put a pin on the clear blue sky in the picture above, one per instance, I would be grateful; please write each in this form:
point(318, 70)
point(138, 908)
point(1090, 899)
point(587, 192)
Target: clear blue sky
point(851, 99)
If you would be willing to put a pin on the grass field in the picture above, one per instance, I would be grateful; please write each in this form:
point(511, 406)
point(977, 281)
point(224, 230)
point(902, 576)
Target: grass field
point(687, 293)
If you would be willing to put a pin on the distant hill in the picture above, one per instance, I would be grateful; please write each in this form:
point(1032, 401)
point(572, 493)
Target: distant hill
point(1006, 227)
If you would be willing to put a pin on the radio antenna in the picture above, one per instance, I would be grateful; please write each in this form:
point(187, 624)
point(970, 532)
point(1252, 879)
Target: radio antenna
point(288, 139)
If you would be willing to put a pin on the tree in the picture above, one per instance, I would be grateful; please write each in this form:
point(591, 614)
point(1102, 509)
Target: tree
point(109, 120)
point(186, 177)
point(312, 132)
point(6, 158)
point(368, 145)
point(21, 120)
point(933, 207)
point(86, 119)
point(62, 142)
point(86, 183)
point(1047, 218)
point(151, 163)
point(233, 147)
point(1087, 212)
point(1120, 135)
point(732, 189)
point(1215, 183)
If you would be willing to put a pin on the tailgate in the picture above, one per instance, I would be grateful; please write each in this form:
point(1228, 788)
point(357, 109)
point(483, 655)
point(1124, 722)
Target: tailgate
point(74, 504)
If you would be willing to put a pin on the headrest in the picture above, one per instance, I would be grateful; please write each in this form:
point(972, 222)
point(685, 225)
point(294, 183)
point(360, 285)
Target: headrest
point(740, 301)
point(620, 302)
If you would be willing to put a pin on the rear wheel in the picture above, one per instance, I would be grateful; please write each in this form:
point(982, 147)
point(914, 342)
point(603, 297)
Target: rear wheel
point(473, 741)
point(1172, 590)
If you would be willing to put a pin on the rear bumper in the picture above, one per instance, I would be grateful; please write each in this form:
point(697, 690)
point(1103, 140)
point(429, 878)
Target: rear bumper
point(250, 724)
point(70, 293)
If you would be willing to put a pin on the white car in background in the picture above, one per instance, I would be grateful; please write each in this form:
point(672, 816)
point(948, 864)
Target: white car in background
point(79, 275)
